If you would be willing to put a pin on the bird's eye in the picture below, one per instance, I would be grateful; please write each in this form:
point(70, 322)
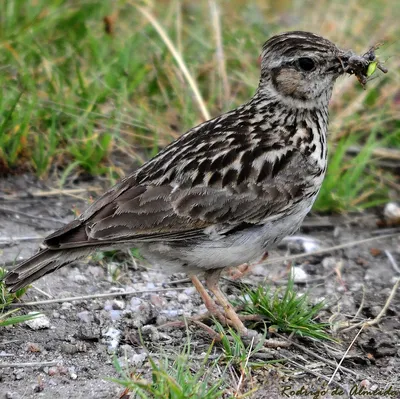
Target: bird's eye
point(306, 64)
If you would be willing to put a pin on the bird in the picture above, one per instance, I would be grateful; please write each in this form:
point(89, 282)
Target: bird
point(228, 189)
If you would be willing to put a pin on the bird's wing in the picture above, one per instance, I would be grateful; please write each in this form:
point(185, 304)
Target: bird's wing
point(203, 179)
point(159, 214)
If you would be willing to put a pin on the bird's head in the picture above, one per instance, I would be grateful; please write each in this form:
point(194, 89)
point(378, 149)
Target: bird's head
point(300, 68)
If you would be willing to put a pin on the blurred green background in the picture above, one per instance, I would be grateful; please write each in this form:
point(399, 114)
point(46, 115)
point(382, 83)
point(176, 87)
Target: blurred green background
point(97, 87)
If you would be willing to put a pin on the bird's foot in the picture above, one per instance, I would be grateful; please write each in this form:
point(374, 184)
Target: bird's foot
point(250, 337)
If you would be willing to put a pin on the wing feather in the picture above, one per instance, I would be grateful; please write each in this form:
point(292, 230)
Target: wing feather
point(180, 192)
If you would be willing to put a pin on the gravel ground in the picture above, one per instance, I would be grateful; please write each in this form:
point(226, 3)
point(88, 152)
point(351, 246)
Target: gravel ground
point(73, 345)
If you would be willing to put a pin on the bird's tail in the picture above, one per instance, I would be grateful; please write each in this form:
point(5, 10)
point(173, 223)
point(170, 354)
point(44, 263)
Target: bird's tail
point(44, 262)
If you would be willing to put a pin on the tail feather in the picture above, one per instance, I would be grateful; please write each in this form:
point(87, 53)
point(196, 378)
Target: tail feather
point(42, 263)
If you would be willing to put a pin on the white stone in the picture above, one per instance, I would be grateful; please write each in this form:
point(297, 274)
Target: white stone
point(38, 323)
point(392, 212)
point(80, 278)
point(138, 359)
point(66, 306)
point(299, 274)
point(85, 316)
point(183, 298)
point(113, 336)
point(118, 304)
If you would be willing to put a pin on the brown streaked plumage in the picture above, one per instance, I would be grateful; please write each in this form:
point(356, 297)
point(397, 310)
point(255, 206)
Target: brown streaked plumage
point(228, 189)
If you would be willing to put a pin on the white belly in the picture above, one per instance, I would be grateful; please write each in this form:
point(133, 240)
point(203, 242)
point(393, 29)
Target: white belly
point(225, 251)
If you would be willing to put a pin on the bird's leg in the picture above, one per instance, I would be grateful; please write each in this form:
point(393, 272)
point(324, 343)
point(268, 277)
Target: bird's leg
point(212, 283)
point(264, 257)
point(208, 301)
point(239, 271)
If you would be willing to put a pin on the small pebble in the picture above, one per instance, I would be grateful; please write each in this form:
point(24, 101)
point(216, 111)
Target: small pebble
point(71, 349)
point(112, 337)
point(292, 244)
point(311, 246)
point(138, 359)
point(190, 291)
point(66, 305)
point(299, 274)
point(150, 286)
point(79, 278)
point(72, 373)
point(151, 333)
point(145, 312)
point(329, 263)
point(337, 231)
point(392, 213)
point(156, 300)
point(375, 310)
point(117, 289)
point(135, 304)
point(161, 319)
point(115, 315)
point(126, 350)
point(183, 298)
point(202, 309)
point(52, 371)
point(90, 331)
point(172, 312)
point(365, 384)
point(38, 323)
point(81, 346)
point(68, 348)
point(19, 374)
point(356, 286)
point(63, 370)
point(118, 304)
point(302, 243)
point(85, 316)
point(338, 377)
point(96, 271)
point(38, 388)
point(171, 294)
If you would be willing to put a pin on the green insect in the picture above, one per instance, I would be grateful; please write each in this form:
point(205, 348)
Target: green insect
point(372, 68)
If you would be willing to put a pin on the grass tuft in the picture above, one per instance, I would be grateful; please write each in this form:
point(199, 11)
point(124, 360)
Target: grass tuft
point(174, 379)
point(7, 297)
point(286, 311)
point(240, 354)
point(9, 318)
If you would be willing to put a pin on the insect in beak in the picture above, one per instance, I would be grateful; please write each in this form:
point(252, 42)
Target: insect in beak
point(362, 66)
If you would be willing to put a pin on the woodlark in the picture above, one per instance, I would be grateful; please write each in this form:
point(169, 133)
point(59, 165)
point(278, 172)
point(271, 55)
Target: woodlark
point(228, 189)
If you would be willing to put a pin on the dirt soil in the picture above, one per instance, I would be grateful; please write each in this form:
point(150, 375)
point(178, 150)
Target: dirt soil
point(72, 352)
